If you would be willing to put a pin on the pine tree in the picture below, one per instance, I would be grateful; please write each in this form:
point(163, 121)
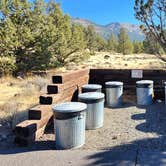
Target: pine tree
point(27, 29)
point(112, 43)
point(90, 36)
point(124, 43)
point(101, 43)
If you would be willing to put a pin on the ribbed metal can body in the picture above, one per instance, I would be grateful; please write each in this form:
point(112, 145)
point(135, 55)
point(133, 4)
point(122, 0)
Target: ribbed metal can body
point(144, 93)
point(114, 94)
point(69, 124)
point(95, 109)
point(95, 115)
point(91, 88)
point(70, 133)
point(144, 96)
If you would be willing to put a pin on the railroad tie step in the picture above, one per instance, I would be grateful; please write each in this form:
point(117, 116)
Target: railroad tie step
point(38, 112)
point(52, 89)
point(65, 77)
point(26, 141)
point(48, 99)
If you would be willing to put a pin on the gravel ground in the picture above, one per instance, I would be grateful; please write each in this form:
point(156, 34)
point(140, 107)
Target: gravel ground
point(128, 127)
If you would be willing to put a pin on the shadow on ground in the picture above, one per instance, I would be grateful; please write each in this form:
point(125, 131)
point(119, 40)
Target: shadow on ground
point(149, 152)
point(131, 154)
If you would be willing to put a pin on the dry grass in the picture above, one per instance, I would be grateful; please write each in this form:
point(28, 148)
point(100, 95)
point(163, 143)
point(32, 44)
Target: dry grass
point(119, 61)
point(17, 95)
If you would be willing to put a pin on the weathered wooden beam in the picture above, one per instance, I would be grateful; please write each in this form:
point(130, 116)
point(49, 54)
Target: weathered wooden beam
point(48, 99)
point(38, 112)
point(55, 98)
point(59, 88)
point(26, 141)
point(65, 77)
point(29, 127)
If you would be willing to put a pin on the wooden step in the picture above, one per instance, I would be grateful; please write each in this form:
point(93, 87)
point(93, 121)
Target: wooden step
point(58, 88)
point(38, 112)
point(65, 77)
point(29, 127)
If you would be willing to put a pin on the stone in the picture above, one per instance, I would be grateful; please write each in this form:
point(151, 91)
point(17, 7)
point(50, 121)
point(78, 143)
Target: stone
point(106, 56)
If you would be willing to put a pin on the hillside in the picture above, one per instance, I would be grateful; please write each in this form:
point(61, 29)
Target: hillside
point(133, 30)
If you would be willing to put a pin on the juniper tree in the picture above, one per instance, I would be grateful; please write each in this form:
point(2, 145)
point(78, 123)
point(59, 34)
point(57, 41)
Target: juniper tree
point(152, 13)
point(124, 43)
point(112, 43)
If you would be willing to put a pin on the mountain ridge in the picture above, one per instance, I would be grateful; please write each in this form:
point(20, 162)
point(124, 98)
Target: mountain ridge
point(105, 31)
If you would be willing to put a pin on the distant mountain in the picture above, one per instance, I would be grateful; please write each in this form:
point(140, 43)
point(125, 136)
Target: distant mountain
point(133, 30)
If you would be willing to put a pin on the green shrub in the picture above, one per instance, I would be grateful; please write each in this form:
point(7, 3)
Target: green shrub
point(7, 65)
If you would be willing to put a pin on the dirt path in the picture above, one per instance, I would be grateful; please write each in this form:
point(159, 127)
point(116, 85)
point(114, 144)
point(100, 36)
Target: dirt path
point(124, 128)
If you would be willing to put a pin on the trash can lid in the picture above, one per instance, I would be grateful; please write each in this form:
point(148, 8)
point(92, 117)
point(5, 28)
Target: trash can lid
point(147, 82)
point(92, 86)
point(91, 96)
point(113, 84)
point(69, 107)
point(144, 84)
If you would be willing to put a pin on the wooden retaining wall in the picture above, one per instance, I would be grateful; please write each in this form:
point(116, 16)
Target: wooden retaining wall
point(100, 76)
point(67, 86)
point(64, 87)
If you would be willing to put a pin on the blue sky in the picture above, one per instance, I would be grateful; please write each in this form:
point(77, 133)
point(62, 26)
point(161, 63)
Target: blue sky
point(100, 11)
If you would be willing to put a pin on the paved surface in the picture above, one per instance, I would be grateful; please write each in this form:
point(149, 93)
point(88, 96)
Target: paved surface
point(23, 157)
point(68, 158)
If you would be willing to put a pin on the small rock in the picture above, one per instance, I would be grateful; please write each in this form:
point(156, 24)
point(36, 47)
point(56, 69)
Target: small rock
point(17, 94)
point(11, 84)
point(114, 137)
point(106, 56)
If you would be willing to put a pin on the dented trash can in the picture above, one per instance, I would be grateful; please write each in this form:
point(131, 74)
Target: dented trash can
point(91, 88)
point(69, 124)
point(144, 91)
point(114, 92)
point(95, 109)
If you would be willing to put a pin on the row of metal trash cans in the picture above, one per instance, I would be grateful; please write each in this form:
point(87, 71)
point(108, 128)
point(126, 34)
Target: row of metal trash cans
point(72, 118)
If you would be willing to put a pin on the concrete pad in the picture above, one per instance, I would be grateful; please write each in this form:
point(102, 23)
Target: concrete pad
point(149, 158)
point(69, 158)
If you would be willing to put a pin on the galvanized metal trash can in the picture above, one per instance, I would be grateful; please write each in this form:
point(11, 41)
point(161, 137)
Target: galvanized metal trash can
point(95, 109)
point(114, 92)
point(91, 88)
point(69, 124)
point(144, 91)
